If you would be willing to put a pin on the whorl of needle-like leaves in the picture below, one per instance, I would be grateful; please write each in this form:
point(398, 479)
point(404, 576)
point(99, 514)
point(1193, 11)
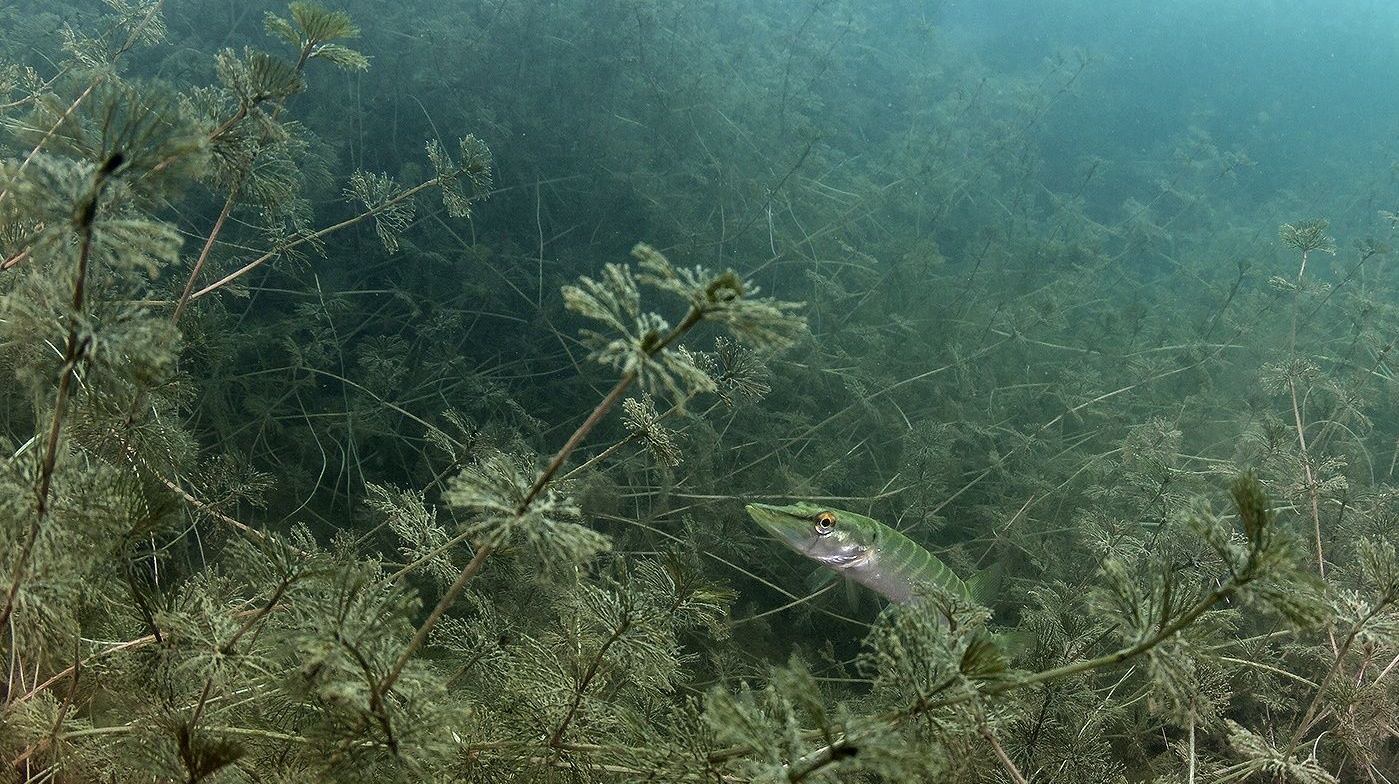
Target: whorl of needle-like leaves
point(138, 23)
point(137, 132)
point(495, 489)
point(739, 374)
point(424, 538)
point(1271, 763)
point(914, 658)
point(379, 194)
point(75, 210)
point(631, 340)
point(311, 29)
point(257, 76)
point(1307, 236)
point(644, 423)
point(474, 169)
point(637, 341)
point(726, 298)
point(1255, 510)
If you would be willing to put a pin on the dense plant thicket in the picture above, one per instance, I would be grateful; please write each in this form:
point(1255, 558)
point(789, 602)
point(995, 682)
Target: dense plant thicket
point(342, 439)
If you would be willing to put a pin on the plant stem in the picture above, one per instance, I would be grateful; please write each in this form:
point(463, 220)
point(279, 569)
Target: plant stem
point(204, 252)
point(1191, 777)
point(1003, 756)
point(578, 435)
point(1312, 713)
point(75, 350)
point(557, 737)
point(131, 38)
point(1297, 420)
point(436, 615)
point(691, 319)
point(264, 258)
point(1311, 479)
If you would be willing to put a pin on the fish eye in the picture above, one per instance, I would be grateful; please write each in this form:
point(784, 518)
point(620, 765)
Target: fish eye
point(825, 523)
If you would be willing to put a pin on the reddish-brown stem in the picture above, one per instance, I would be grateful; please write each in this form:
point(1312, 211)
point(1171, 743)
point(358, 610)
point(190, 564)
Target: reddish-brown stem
point(306, 49)
point(72, 669)
point(73, 107)
point(1003, 756)
point(578, 435)
point(15, 260)
point(691, 319)
point(132, 36)
point(75, 348)
point(229, 123)
point(204, 253)
point(437, 612)
point(557, 737)
point(264, 258)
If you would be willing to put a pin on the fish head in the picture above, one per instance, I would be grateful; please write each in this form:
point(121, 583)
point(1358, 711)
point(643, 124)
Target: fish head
point(832, 537)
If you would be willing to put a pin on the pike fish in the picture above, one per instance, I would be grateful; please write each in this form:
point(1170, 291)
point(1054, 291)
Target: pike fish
point(867, 551)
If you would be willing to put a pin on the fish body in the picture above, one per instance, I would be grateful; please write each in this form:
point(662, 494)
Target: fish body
point(862, 549)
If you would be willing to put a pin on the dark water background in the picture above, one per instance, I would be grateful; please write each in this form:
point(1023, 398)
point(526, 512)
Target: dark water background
point(1104, 181)
point(1046, 250)
point(1101, 182)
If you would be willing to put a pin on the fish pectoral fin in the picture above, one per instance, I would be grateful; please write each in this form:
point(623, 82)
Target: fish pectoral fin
point(822, 578)
point(854, 597)
point(819, 578)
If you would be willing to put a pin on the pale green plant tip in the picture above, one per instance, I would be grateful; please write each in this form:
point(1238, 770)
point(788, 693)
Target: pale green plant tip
point(312, 29)
point(725, 298)
point(495, 490)
point(473, 169)
point(393, 212)
point(256, 76)
point(636, 341)
point(1307, 236)
point(644, 423)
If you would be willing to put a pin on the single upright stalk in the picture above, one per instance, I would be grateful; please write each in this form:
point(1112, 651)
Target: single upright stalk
point(557, 737)
point(1004, 758)
point(691, 319)
point(486, 548)
point(133, 35)
point(1311, 480)
point(307, 48)
point(204, 252)
point(75, 348)
point(1301, 431)
point(271, 254)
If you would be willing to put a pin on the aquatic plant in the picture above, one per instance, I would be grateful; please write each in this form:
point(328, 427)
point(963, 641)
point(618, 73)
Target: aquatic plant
point(304, 477)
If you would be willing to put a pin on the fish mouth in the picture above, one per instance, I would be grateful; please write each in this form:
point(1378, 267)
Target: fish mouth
point(842, 560)
point(776, 523)
point(762, 515)
point(759, 512)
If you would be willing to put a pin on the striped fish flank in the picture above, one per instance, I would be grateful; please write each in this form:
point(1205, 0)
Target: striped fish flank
point(862, 549)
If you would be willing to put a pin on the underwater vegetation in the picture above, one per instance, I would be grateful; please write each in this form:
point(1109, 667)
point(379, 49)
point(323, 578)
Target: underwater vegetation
point(368, 415)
